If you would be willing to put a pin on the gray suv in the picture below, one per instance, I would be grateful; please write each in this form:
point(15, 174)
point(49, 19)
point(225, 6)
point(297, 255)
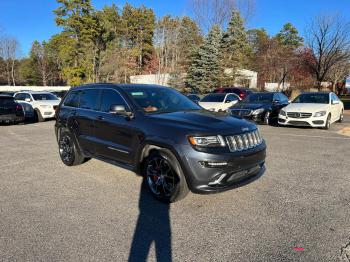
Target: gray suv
point(161, 134)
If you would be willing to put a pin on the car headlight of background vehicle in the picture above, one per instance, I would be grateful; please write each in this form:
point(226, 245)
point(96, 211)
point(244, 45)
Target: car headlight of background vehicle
point(258, 111)
point(207, 141)
point(319, 114)
point(282, 112)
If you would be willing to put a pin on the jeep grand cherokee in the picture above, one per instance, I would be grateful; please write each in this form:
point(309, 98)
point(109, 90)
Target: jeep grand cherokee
point(158, 132)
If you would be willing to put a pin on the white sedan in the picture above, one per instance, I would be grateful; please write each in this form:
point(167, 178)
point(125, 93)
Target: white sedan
point(313, 109)
point(219, 101)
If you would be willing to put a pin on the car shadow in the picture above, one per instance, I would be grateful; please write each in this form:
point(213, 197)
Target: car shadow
point(153, 226)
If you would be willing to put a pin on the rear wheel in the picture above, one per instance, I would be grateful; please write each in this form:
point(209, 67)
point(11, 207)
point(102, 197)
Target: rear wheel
point(341, 117)
point(164, 177)
point(38, 116)
point(69, 152)
point(328, 123)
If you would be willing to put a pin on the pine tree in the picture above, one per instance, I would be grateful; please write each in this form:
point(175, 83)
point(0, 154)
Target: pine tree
point(205, 67)
point(289, 36)
point(235, 48)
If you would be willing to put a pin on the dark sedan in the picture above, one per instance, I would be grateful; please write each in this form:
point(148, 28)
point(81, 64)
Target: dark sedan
point(260, 107)
point(10, 110)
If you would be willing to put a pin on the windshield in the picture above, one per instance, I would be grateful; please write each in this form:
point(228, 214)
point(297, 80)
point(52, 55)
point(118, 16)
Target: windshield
point(259, 98)
point(160, 100)
point(312, 98)
point(4, 101)
point(214, 98)
point(44, 97)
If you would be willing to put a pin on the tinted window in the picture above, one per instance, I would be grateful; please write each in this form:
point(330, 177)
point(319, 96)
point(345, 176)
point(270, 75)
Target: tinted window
point(313, 98)
point(160, 100)
point(214, 98)
point(283, 98)
point(72, 99)
point(334, 97)
point(4, 101)
point(109, 98)
point(89, 99)
point(19, 97)
point(44, 97)
point(258, 98)
point(232, 98)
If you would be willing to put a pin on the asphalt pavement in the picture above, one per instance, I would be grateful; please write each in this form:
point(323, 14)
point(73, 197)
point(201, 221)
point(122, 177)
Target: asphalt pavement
point(299, 210)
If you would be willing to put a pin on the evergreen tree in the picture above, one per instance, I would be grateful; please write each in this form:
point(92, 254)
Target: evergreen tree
point(205, 67)
point(235, 48)
point(289, 36)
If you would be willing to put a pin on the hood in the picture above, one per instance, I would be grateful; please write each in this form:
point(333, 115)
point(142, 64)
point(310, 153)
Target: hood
point(204, 122)
point(210, 105)
point(251, 106)
point(48, 102)
point(306, 107)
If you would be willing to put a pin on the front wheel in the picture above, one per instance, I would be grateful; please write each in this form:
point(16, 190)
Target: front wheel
point(328, 123)
point(267, 118)
point(164, 176)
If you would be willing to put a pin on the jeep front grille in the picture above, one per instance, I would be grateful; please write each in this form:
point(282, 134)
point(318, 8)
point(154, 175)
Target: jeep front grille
point(244, 141)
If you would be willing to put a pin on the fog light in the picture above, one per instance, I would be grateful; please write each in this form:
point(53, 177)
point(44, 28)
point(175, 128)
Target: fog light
point(218, 180)
point(212, 164)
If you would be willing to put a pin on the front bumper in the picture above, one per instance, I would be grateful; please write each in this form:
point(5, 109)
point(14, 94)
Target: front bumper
point(307, 122)
point(48, 114)
point(248, 114)
point(242, 167)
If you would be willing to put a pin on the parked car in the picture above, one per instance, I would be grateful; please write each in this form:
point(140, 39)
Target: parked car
point(260, 107)
point(313, 110)
point(195, 98)
point(218, 102)
point(10, 111)
point(241, 92)
point(43, 103)
point(158, 132)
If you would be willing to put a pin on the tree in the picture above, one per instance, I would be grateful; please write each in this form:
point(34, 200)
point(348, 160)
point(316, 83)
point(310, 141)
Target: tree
point(204, 71)
point(289, 36)
point(328, 38)
point(9, 49)
point(208, 13)
point(235, 48)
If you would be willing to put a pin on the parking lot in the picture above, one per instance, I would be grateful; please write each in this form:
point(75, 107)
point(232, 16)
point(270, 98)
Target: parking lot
point(299, 210)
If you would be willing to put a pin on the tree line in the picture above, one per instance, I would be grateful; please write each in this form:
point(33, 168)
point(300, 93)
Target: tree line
point(200, 53)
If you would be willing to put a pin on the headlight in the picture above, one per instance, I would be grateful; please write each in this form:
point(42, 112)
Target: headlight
point(208, 141)
point(45, 106)
point(319, 114)
point(283, 113)
point(258, 111)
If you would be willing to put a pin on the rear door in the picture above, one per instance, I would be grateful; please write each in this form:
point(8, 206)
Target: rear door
point(85, 118)
point(114, 133)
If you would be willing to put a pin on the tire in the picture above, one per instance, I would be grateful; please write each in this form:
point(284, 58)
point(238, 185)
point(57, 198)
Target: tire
point(341, 117)
point(328, 123)
point(37, 116)
point(267, 118)
point(164, 177)
point(68, 150)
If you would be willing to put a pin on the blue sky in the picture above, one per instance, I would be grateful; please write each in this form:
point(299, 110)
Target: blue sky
point(30, 20)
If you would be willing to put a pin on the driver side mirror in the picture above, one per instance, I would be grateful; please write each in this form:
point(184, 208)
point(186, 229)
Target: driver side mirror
point(28, 100)
point(228, 101)
point(335, 102)
point(120, 110)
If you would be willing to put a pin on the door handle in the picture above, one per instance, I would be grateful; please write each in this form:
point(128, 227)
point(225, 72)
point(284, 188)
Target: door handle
point(100, 118)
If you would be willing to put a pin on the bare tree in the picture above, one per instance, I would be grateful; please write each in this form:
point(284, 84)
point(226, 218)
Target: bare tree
point(328, 38)
point(208, 13)
point(338, 73)
point(9, 51)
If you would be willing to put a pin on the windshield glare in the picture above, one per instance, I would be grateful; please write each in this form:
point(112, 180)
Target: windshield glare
point(44, 97)
point(312, 99)
point(258, 98)
point(160, 100)
point(214, 98)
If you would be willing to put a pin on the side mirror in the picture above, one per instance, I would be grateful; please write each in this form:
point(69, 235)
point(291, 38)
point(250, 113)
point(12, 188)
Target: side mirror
point(28, 100)
point(335, 102)
point(228, 101)
point(120, 110)
point(276, 102)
